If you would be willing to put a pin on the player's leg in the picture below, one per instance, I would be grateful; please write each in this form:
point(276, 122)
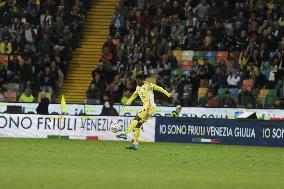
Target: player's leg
point(130, 128)
point(132, 125)
point(137, 131)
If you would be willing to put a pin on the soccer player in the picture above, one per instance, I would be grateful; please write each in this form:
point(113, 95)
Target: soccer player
point(177, 111)
point(145, 91)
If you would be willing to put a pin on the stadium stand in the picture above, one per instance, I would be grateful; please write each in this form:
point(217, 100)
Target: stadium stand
point(229, 50)
point(36, 44)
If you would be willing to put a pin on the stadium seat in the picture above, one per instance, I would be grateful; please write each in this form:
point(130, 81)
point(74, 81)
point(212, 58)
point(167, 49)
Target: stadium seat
point(13, 87)
point(262, 97)
point(222, 55)
point(255, 92)
point(10, 96)
point(270, 98)
point(248, 83)
point(270, 101)
point(187, 55)
point(211, 56)
point(272, 93)
point(199, 55)
point(2, 98)
point(202, 92)
point(202, 101)
point(4, 59)
point(221, 92)
point(176, 72)
point(186, 65)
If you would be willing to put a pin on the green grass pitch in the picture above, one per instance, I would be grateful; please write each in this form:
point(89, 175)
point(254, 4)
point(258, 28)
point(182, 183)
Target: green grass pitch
point(70, 164)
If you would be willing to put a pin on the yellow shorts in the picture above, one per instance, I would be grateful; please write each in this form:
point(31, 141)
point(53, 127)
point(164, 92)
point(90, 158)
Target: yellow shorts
point(143, 116)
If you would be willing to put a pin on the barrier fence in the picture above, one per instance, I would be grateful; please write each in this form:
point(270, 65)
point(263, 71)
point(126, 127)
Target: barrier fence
point(79, 109)
point(159, 129)
point(222, 131)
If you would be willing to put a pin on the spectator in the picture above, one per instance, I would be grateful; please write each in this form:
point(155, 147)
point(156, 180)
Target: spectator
point(43, 106)
point(219, 79)
point(172, 60)
point(146, 20)
point(243, 59)
point(27, 96)
point(227, 101)
point(209, 100)
point(57, 75)
point(5, 47)
point(47, 81)
point(18, 45)
point(260, 80)
point(246, 99)
point(177, 111)
point(109, 110)
point(25, 70)
point(93, 94)
point(226, 11)
point(32, 10)
point(249, 31)
point(125, 97)
point(117, 23)
point(201, 9)
point(45, 18)
point(233, 79)
point(6, 34)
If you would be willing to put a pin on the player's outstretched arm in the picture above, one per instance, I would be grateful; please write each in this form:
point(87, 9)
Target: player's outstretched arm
point(161, 90)
point(133, 96)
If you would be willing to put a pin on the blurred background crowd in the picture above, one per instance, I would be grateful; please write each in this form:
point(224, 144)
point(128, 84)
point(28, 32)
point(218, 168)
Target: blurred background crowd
point(207, 53)
point(36, 43)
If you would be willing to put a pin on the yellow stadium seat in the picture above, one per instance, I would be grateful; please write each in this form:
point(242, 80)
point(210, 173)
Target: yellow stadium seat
point(202, 92)
point(187, 55)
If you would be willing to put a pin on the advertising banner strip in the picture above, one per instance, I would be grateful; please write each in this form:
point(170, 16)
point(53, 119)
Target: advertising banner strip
point(200, 112)
point(222, 131)
point(69, 127)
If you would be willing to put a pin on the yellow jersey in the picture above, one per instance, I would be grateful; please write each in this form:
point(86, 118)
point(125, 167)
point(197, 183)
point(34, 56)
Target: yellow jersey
point(145, 92)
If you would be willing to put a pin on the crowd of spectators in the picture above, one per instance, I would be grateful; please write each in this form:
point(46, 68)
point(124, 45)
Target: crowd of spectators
point(142, 40)
point(36, 43)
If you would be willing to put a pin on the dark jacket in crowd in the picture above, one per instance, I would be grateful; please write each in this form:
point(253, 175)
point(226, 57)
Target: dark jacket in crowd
point(43, 106)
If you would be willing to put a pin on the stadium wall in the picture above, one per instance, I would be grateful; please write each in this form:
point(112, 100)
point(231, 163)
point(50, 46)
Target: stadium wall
point(71, 127)
point(159, 129)
point(79, 109)
point(221, 131)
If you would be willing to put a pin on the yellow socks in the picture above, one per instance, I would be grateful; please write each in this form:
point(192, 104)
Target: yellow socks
point(137, 134)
